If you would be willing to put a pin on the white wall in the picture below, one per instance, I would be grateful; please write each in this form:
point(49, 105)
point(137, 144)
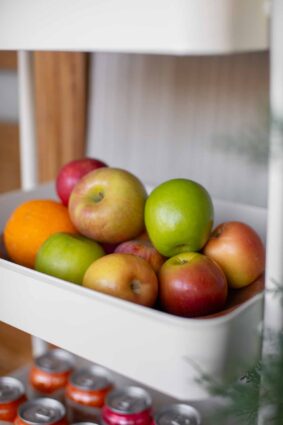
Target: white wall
point(201, 118)
point(8, 96)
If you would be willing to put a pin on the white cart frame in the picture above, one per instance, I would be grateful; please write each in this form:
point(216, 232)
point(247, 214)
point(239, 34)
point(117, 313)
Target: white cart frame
point(164, 27)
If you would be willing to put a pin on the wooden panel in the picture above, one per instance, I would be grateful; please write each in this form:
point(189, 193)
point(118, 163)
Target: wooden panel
point(60, 92)
point(8, 60)
point(15, 349)
point(9, 157)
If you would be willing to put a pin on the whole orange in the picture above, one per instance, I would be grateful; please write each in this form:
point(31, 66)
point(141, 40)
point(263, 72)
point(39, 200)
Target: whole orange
point(30, 224)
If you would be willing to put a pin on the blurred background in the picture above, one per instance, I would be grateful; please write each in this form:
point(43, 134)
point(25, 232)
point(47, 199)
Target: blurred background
point(204, 118)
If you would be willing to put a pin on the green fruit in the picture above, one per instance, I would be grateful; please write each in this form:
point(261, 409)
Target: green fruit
point(67, 256)
point(178, 216)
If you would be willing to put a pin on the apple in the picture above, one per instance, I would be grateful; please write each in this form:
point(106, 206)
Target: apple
point(71, 173)
point(142, 248)
point(239, 251)
point(191, 284)
point(124, 276)
point(67, 256)
point(178, 217)
point(107, 205)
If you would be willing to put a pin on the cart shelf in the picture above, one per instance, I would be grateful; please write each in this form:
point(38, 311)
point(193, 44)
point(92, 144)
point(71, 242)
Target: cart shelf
point(149, 346)
point(159, 26)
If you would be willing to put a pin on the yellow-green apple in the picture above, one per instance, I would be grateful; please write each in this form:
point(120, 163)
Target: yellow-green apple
point(238, 249)
point(124, 276)
point(107, 205)
point(178, 216)
point(191, 284)
point(142, 248)
point(67, 256)
point(71, 173)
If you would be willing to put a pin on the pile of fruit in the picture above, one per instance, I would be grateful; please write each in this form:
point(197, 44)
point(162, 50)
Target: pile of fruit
point(159, 250)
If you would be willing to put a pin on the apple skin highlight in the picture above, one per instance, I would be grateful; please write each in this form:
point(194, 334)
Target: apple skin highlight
point(239, 251)
point(123, 276)
point(179, 217)
point(192, 285)
point(142, 248)
point(107, 205)
point(67, 256)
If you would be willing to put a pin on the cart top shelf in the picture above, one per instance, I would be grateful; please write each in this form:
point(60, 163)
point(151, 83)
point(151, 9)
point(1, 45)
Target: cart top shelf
point(179, 27)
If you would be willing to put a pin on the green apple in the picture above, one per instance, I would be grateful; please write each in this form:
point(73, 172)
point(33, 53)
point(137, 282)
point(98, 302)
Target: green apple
point(67, 256)
point(178, 216)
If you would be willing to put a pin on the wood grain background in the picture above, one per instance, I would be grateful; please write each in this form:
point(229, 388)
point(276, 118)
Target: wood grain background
point(61, 94)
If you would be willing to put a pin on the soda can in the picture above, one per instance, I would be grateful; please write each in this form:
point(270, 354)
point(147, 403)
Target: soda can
point(41, 411)
point(85, 423)
point(50, 372)
point(177, 414)
point(12, 395)
point(127, 406)
point(86, 391)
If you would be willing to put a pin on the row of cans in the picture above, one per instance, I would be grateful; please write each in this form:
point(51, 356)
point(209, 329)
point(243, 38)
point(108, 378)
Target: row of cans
point(89, 397)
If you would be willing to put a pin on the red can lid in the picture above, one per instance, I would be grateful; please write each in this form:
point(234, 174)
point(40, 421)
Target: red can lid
point(128, 400)
point(85, 423)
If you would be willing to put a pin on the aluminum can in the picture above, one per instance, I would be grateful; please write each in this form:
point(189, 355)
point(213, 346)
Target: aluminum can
point(177, 414)
point(127, 406)
point(86, 391)
point(12, 395)
point(50, 372)
point(41, 411)
point(85, 423)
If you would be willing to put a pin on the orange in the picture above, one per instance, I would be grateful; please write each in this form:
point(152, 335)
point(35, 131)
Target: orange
point(30, 225)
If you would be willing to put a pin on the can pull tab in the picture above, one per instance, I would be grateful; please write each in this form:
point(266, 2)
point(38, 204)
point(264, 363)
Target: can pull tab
point(5, 391)
point(128, 404)
point(49, 363)
point(180, 420)
point(86, 381)
point(43, 414)
point(125, 404)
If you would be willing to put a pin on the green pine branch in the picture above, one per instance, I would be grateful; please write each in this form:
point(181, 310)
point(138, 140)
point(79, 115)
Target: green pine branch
point(260, 389)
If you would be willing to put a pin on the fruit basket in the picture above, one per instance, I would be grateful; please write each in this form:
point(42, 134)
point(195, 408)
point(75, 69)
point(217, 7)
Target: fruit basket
point(92, 325)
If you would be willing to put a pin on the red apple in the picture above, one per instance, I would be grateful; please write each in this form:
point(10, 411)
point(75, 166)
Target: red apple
point(71, 173)
point(191, 285)
point(124, 276)
point(239, 251)
point(142, 248)
point(107, 205)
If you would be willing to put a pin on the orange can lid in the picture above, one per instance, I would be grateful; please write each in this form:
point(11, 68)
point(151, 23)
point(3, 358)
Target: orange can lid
point(92, 378)
point(11, 389)
point(43, 411)
point(55, 361)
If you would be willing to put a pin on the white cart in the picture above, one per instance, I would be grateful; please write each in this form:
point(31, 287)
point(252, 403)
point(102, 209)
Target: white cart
point(150, 347)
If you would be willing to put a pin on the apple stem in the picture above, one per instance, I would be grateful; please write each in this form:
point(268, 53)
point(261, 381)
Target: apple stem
point(217, 232)
point(98, 197)
point(135, 286)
